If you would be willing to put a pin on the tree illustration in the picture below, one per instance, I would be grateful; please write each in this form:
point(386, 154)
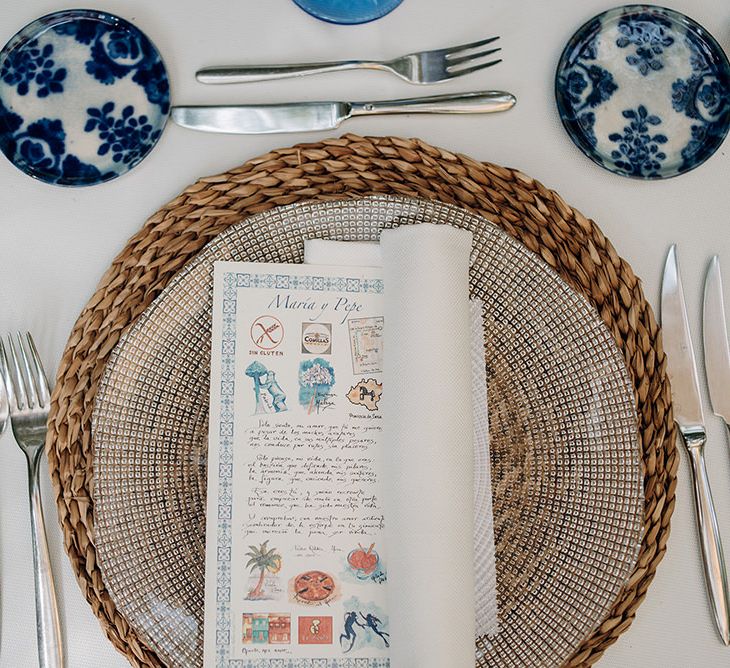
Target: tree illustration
point(262, 559)
point(255, 370)
point(316, 378)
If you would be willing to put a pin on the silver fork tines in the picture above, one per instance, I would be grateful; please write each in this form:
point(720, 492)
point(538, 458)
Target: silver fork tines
point(421, 67)
point(25, 393)
point(29, 402)
point(454, 59)
point(4, 407)
point(28, 391)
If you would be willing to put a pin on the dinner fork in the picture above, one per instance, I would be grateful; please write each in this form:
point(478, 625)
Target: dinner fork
point(424, 67)
point(29, 399)
point(4, 408)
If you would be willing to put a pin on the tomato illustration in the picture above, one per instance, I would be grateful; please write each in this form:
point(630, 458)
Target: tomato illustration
point(363, 562)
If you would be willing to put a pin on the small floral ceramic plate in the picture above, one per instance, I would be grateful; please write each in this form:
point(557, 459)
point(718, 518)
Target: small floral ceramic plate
point(644, 91)
point(84, 97)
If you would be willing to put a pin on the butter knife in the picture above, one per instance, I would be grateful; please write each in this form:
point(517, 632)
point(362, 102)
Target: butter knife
point(714, 334)
point(312, 116)
point(690, 419)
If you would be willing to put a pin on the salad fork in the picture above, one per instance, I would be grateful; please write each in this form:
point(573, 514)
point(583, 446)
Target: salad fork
point(423, 67)
point(29, 398)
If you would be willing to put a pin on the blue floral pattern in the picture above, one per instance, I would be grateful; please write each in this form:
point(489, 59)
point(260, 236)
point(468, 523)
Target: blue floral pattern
point(623, 92)
point(117, 51)
point(585, 86)
point(705, 98)
point(129, 138)
point(638, 152)
point(33, 64)
point(650, 34)
point(40, 150)
point(91, 51)
point(84, 31)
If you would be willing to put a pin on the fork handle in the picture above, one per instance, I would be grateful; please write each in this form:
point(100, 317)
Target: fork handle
point(48, 626)
point(248, 74)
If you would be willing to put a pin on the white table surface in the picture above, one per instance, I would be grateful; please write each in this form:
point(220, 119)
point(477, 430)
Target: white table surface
point(55, 243)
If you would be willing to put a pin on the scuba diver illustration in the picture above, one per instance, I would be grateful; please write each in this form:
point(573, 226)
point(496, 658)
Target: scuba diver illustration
point(350, 633)
point(372, 623)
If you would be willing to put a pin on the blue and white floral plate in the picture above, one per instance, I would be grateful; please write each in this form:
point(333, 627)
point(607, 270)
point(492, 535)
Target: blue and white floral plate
point(644, 91)
point(84, 96)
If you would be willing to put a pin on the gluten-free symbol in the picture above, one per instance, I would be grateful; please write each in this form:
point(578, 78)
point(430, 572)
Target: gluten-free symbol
point(267, 332)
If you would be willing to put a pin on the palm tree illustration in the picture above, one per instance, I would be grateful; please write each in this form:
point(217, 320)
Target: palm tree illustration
point(262, 559)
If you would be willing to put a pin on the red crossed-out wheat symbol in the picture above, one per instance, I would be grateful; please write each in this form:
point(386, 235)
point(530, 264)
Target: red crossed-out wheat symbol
point(264, 333)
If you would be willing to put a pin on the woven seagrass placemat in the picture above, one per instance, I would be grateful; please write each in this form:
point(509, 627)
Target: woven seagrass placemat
point(349, 167)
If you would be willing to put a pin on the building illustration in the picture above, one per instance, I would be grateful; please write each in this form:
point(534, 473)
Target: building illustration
point(266, 629)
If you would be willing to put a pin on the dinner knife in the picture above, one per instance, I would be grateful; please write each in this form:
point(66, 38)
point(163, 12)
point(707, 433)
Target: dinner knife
point(690, 420)
point(312, 116)
point(714, 334)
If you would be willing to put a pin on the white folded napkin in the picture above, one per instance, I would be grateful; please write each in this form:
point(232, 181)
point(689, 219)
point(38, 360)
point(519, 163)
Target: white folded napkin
point(342, 253)
point(429, 428)
point(436, 441)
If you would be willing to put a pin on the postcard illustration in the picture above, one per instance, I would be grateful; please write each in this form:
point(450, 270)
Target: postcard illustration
point(366, 344)
point(266, 629)
point(315, 630)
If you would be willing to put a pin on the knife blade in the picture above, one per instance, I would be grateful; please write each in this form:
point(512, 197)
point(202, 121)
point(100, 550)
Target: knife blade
point(313, 116)
point(714, 334)
point(677, 340)
point(689, 417)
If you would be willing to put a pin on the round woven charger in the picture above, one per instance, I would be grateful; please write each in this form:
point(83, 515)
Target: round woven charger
point(348, 167)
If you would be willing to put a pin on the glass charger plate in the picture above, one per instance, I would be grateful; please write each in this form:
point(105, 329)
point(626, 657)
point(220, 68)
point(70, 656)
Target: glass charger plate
point(566, 466)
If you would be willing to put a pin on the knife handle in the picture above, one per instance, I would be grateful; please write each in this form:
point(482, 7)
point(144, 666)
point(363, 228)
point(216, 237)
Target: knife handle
point(461, 103)
point(709, 532)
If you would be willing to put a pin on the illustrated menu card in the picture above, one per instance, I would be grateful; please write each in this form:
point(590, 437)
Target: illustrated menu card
point(296, 571)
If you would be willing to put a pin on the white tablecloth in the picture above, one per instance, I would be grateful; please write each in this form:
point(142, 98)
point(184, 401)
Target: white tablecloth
point(55, 243)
